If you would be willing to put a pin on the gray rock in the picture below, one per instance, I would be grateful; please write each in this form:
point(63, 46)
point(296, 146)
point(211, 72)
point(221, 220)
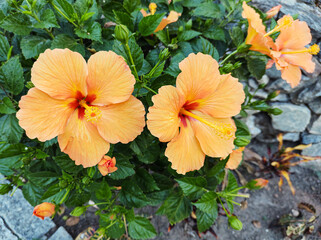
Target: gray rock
point(293, 119)
point(261, 94)
point(310, 138)
point(17, 213)
point(273, 72)
point(307, 12)
point(5, 233)
point(315, 105)
point(279, 84)
point(313, 151)
point(307, 93)
point(250, 122)
point(293, 137)
point(316, 127)
point(61, 234)
point(264, 80)
point(253, 84)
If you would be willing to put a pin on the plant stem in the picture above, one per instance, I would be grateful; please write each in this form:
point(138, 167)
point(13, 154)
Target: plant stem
point(237, 195)
point(149, 89)
point(65, 196)
point(124, 217)
point(67, 18)
point(228, 56)
point(132, 62)
point(223, 207)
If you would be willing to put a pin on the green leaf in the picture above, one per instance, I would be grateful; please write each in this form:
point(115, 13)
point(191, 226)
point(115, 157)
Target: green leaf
point(148, 24)
point(50, 142)
point(54, 194)
point(43, 178)
point(32, 193)
point(102, 190)
point(10, 131)
point(141, 228)
point(125, 19)
point(67, 165)
point(11, 76)
point(32, 46)
point(131, 195)
point(257, 65)
point(188, 35)
point(125, 168)
point(176, 207)
point(173, 68)
point(237, 36)
point(17, 23)
point(204, 220)
point(204, 46)
point(192, 186)
point(136, 51)
point(163, 37)
point(65, 8)
point(215, 34)
point(10, 156)
point(6, 106)
point(207, 204)
point(90, 31)
point(4, 48)
point(219, 167)
point(47, 20)
point(65, 41)
point(78, 211)
point(232, 183)
point(145, 181)
point(157, 71)
point(208, 9)
point(131, 5)
point(243, 135)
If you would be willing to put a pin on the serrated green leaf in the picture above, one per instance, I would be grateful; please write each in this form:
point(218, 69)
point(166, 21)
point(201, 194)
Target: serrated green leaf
point(231, 184)
point(78, 211)
point(176, 207)
point(243, 135)
point(11, 76)
point(43, 178)
point(90, 31)
point(204, 46)
point(47, 20)
point(188, 35)
point(32, 193)
point(256, 65)
point(131, 195)
point(125, 168)
point(102, 190)
point(192, 186)
point(208, 9)
point(67, 165)
point(54, 194)
point(17, 23)
point(148, 24)
point(4, 48)
point(219, 167)
point(204, 220)
point(207, 204)
point(141, 228)
point(64, 41)
point(10, 131)
point(215, 34)
point(145, 181)
point(32, 46)
point(10, 156)
point(237, 35)
point(65, 8)
point(173, 68)
point(125, 19)
point(163, 37)
point(6, 106)
point(131, 5)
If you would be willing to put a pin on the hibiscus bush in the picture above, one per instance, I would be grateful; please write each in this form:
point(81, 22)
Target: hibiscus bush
point(135, 103)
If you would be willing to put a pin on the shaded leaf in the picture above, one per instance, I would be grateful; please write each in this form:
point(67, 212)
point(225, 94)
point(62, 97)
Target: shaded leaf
point(32, 46)
point(141, 228)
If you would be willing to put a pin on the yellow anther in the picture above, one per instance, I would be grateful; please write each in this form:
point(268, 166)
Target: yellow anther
point(314, 49)
point(152, 8)
point(92, 114)
point(224, 130)
point(283, 22)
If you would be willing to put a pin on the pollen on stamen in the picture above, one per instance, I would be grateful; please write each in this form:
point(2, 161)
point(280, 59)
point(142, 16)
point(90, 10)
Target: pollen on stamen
point(92, 114)
point(314, 49)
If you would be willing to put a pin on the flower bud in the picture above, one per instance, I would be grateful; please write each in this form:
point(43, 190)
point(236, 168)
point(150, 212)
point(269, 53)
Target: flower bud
point(86, 180)
point(164, 54)
point(273, 95)
point(107, 165)
point(44, 210)
point(235, 223)
point(276, 111)
point(122, 33)
point(261, 182)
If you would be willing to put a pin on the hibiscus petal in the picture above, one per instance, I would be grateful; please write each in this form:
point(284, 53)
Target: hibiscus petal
point(60, 73)
point(122, 122)
point(184, 151)
point(213, 143)
point(41, 116)
point(253, 18)
point(226, 100)
point(163, 120)
point(294, 37)
point(109, 78)
point(199, 77)
point(172, 17)
point(303, 60)
point(235, 159)
point(82, 141)
point(291, 74)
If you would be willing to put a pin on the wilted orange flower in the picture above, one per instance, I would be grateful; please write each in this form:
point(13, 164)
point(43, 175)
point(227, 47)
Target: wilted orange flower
point(107, 165)
point(88, 105)
point(273, 11)
point(44, 210)
point(235, 159)
point(261, 182)
point(195, 117)
point(172, 17)
point(288, 52)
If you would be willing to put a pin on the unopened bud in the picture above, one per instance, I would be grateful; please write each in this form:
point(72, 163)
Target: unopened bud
point(164, 54)
point(122, 33)
point(235, 223)
point(273, 95)
point(276, 111)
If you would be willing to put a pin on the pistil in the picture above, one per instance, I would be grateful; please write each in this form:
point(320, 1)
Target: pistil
point(314, 50)
point(92, 113)
point(287, 21)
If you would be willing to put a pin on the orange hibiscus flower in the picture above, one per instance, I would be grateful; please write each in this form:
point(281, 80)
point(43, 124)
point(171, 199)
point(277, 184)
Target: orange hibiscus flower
point(43, 210)
point(235, 159)
point(273, 11)
point(87, 105)
point(172, 17)
point(107, 165)
point(195, 117)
